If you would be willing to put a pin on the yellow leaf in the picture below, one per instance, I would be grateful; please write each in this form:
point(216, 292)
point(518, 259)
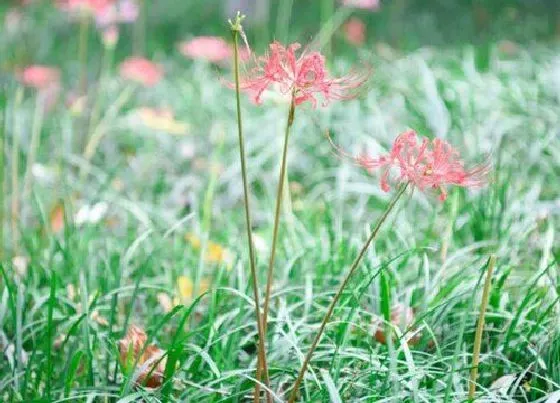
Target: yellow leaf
point(162, 120)
point(193, 240)
point(186, 287)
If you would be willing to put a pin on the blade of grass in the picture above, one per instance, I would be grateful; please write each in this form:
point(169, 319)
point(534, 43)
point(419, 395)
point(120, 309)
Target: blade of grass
point(50, 335)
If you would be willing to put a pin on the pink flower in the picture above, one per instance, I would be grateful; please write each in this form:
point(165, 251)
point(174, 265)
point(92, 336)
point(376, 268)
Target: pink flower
point(305, 76)
point(141, 70)
point(364, 4)
point(427, 164)
point(210, 48)
point(39, 77)
point(120, 11)
point(94, 7)
point(110, 36)
point(355, 31)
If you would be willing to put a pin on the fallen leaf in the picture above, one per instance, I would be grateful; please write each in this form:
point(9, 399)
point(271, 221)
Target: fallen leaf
point(150, 365)
point(402, 316)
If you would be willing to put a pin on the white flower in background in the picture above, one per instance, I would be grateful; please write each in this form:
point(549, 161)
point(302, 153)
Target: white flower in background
point(91, 214)
point(43, 174)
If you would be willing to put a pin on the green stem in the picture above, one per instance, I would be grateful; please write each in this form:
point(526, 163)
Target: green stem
point(83, 50)
point(15, 170)
point(33, 146)
point(100, 130)
point(480, 327)
point(140, 29)
point(343, 285)
point(278, 208)
point(283, 20)
point(279, 196)
point(103, 76)
point(329, 29)
point(261, 349)
point(2, 144)
point(327, 12)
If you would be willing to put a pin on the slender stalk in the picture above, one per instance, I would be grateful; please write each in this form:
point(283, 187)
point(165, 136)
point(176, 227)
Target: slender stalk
point(279, 196)
point(278, 208)
point(283, 20)
point(343, 285)
point(329, 28)
point(2, 216)
point(83, 49)
point(103, 76)
point(33, 146)
point(236, 29)
point(15, 169)
point(480, 327)
point(327, 12)
point(101, 129)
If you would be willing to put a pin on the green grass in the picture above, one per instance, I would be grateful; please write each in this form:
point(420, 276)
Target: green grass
point(54, 348)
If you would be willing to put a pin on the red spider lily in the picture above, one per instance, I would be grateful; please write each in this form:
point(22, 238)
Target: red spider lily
point(426, 164)
point(305, 76)
point(149, 361)
point(141, 70)
point(39, 77)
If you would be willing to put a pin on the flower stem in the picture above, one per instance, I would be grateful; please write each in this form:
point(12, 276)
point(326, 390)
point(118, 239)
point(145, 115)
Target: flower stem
point(15, 169)
point(279, 196)
point(278, 208)
point(236, 29)
point(33, 146)
point(343, 285)
point(83, 50)
point(2, 177)
point(480, 327)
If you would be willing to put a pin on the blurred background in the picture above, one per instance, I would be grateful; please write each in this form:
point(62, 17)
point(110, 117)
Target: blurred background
point(403, 24)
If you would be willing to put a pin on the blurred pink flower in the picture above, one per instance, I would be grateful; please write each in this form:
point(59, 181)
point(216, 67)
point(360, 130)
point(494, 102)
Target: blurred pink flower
point(364, 4)
point(305, 76)
point(39, 77)
point(110, 36)
point(210, 48)
point(427, 164)
point(94, 7)
point(120, 11)
point(355, 31)
point(141, 70)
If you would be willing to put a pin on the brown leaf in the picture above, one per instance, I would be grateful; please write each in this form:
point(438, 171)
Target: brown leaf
point(130, 349)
